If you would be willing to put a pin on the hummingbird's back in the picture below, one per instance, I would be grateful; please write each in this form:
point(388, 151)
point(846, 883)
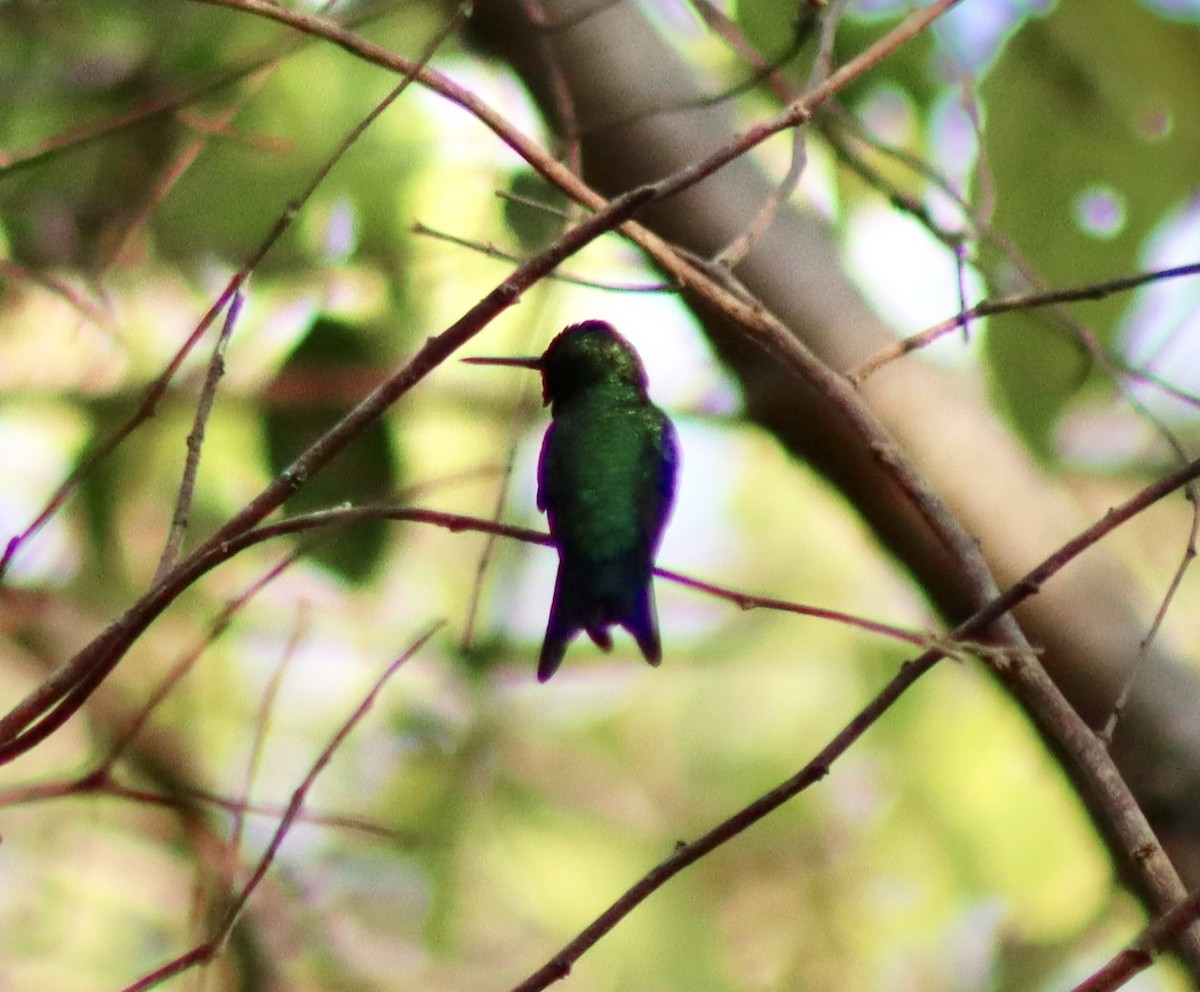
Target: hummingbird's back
point(606, 479)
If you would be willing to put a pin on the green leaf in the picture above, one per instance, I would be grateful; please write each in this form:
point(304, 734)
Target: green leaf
point(535, 228)
point(1067, 114)
point(310, 401)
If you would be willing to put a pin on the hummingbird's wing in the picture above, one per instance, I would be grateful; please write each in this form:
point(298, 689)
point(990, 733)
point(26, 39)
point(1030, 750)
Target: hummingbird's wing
point(660, 470)
point(562, 625)
point(543, 469)
point(606, 480)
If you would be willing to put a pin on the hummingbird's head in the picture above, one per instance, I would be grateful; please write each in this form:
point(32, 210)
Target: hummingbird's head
point(586, 355)
point(582, 356)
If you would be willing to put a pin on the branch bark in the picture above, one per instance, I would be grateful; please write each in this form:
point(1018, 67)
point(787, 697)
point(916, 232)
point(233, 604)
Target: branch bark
point(626, 87)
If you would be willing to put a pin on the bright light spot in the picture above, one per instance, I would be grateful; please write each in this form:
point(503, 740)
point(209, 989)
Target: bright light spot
point(42, 443)
point(909, 277)
point(1100, 212)
point(954, 145)
point(1176, 10)
point(341, 231)
point(975, 34)
point(1161, 330)
point(887, 114)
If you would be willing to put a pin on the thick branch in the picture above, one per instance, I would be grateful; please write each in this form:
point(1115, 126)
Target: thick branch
point(627, 87)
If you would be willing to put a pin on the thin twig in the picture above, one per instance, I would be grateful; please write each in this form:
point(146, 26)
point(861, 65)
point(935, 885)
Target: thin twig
point(262, 723)
point(188, 661)
point(68, 688)
point(166, 103)
point(184, 160)
point(687, 854)
point(97, 784)
point(564, 105)
point(86, 308)
point(1087, 760)
point(1018, 301)
point(1135, 669)
point(736, 251)
point(213, 554)
point(520, 414)
point(489, 250)
point(979, 218)
point(155, 391)
point(210, 947)
point(195, 442)
point(65, 690)
point(1154, 941)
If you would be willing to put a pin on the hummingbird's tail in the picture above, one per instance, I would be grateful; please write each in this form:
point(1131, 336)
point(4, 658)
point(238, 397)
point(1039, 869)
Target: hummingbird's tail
point(592, 597)
point(642, 623)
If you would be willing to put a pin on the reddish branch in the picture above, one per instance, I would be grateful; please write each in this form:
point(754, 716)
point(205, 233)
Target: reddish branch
point(1015, 662)
point(1022, 301)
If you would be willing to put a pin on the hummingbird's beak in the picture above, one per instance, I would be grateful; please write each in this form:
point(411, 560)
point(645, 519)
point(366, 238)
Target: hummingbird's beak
point(521, 363)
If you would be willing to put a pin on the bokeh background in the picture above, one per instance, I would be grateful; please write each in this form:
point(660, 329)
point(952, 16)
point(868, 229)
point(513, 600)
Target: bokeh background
point(474, 821)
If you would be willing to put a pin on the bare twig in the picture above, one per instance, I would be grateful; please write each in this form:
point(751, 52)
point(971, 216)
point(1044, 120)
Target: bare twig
point(717, 21)
point(564, 105)
point(86, 308)
point(733, 254)
point(187, 662)
point(520, 413)
point(687, 854)
point(195, 441)
point(96, 783)
point(165, 103)
point(183, 161)
point(262, 722)
point(1008, 666)
point(1019, 301)
point(1017, 665)
point(746, 601)
point(61, 695)
point(1189, 555)
point(157, 388)
point(1154, 941)
point(489, 250)
point(213, 554)
point(212, 946)
point(978, 218)
point(68, 688)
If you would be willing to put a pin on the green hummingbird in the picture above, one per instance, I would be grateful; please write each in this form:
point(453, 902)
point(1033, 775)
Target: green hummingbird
point(606, 481)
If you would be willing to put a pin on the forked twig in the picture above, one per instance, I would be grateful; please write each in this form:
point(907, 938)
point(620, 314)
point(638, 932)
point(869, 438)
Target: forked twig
point(686, 854)
point(1019, 301)
point(158, 388)
point(211, 947)
point(1153, 942)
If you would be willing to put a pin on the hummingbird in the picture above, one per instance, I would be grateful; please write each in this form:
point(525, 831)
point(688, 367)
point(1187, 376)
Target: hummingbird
point(606, 481)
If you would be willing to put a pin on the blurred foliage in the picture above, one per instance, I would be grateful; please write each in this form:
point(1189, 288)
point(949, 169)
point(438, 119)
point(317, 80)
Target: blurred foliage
point(533, 210)
point(1084, 153)
point(312, 386)
point(483, 820)
point(1068, 114)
